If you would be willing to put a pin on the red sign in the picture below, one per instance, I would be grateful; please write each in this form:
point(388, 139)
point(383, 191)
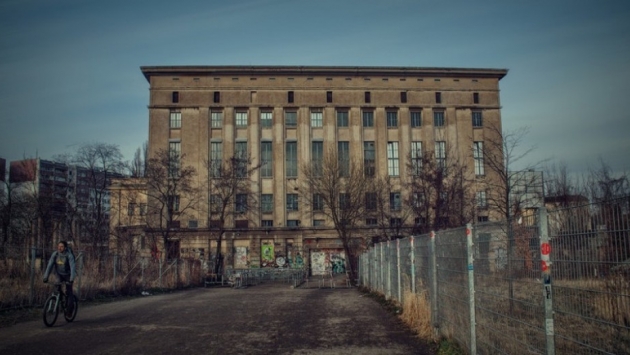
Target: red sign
point(544, 265)
point(467, 231)
point(545, 248)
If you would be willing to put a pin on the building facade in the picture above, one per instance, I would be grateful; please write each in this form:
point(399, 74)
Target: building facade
point(285, 116)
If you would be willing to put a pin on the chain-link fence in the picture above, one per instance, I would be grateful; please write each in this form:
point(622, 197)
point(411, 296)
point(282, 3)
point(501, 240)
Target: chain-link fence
point(556, 281)
point(97, 275)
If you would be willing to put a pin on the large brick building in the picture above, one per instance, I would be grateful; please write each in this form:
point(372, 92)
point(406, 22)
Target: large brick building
point(285, 115)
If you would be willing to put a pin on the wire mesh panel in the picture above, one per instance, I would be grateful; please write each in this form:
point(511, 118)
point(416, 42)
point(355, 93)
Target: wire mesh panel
point(591, 276)
point(453, 304)
point(393, 270)
point(508, 291)
point(405, 268)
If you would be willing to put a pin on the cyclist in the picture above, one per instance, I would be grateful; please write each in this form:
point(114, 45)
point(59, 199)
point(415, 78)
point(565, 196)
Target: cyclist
point(63, 262)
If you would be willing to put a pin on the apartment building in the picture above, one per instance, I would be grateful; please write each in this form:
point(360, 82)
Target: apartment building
point(285, 116)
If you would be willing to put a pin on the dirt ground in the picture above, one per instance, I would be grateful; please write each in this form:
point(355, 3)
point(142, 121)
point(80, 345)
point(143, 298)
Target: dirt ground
point(262, 319)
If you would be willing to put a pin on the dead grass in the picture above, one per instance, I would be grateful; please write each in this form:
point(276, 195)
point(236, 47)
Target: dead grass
point(416, 313)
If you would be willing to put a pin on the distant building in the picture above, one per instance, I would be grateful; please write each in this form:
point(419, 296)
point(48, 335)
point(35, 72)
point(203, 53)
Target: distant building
point(64, 198)
point(286, 116)
point(527, 194)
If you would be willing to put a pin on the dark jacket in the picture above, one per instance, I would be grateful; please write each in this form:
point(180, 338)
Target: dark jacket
point(63, 263)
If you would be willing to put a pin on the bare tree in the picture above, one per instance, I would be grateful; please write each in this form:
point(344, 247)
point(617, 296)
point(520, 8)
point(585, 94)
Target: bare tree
point(339, 188)
point(172, 193)
point(231, 196)
point(100, 162)
point(386, 203)
point(138, 165)
point(502, 151)
point(441, 194)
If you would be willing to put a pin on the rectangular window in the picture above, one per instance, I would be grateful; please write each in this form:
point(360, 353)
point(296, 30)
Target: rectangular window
point(482, 218)
point(395, 202)
point(173, 203)
point(392, 159)
point(438, 118)
point(367, 97)
point(316, 119)
point(368, 118)
point(440, 154)
point(215, 203)
point(369, 158)
point(175, 97)
point(438, 97)
point(266, 119)
point(477, 119)
point(131, 207)
point(266, 203)
point(267, 223)
point(329, 98)
point(478, 155)
point(176, 119)
point(344, 201)
point(342, 118)
point(318, 222)
point(370, 221)
point(482, 202)
point(266, 157)
point(143, 209)
point(416, 158)
point(293, 223)
point(403, 96)
point(392, 119)
point(241, 118)
point(216, 119)
point(292, 202)
point(395, 222)
point(343, 154)
point(317, 155)
point(475, 97)
point(174, 151)
point(241, 203)
point(416, 118)
point(370, 201)
point(318, 202)
point(291, 159)
point(216, 97)
point(290, 97)
point(216, 158)
point(240, 154)
point(290, 118)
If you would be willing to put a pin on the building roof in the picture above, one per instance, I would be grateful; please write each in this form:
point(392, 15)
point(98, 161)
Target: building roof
point(192, 70)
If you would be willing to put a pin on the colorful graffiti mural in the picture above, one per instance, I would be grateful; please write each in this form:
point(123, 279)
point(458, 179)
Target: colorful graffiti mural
point(325, 261)
point(240, 258)
point(267, 255)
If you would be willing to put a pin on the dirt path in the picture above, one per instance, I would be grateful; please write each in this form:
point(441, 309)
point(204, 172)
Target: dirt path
point(264, 319)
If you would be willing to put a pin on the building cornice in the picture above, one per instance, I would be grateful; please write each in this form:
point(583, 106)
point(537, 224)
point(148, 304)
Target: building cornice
point(150, 71)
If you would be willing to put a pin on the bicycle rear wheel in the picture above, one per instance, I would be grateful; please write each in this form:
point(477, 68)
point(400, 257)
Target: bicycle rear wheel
point(51, 311)
point(75, 309)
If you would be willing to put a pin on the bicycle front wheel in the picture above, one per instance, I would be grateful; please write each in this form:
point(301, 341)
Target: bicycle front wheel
point(75, 309)
point(51, 311)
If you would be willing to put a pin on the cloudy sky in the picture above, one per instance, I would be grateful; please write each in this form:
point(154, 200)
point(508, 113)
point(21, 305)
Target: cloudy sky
point(70, 69)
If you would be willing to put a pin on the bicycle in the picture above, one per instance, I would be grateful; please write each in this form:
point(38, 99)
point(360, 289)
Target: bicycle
point(56, 302)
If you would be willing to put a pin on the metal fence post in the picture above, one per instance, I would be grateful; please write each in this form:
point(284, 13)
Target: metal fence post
point(471, 288)
point(398, 268)
point(31, 298)
point(545, 251)
point(381, 282)
point(143, 261)
point(434, 284)
point(160, 269)
point(115, 262)
point(388, 294)
point(412, 256)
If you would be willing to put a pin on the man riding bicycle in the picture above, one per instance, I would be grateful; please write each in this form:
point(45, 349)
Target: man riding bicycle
point(63, 262)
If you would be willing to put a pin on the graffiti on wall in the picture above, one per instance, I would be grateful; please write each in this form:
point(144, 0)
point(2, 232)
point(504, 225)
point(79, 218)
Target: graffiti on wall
point(325, 261)
point(240, 259)
point(267, 255)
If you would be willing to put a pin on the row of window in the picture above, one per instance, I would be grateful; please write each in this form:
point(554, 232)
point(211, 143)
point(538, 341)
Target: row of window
point(316, 116)
point(367, 97)
point(292, 205)
point(343, 156)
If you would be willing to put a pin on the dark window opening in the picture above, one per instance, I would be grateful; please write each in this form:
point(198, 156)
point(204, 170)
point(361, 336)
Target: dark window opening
point(175, 96)
point(368, 97)
point(475, 97)
point(329, 96)
point(217, 97)
point(438, 97)
point(403, 96)
point(290, 97)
